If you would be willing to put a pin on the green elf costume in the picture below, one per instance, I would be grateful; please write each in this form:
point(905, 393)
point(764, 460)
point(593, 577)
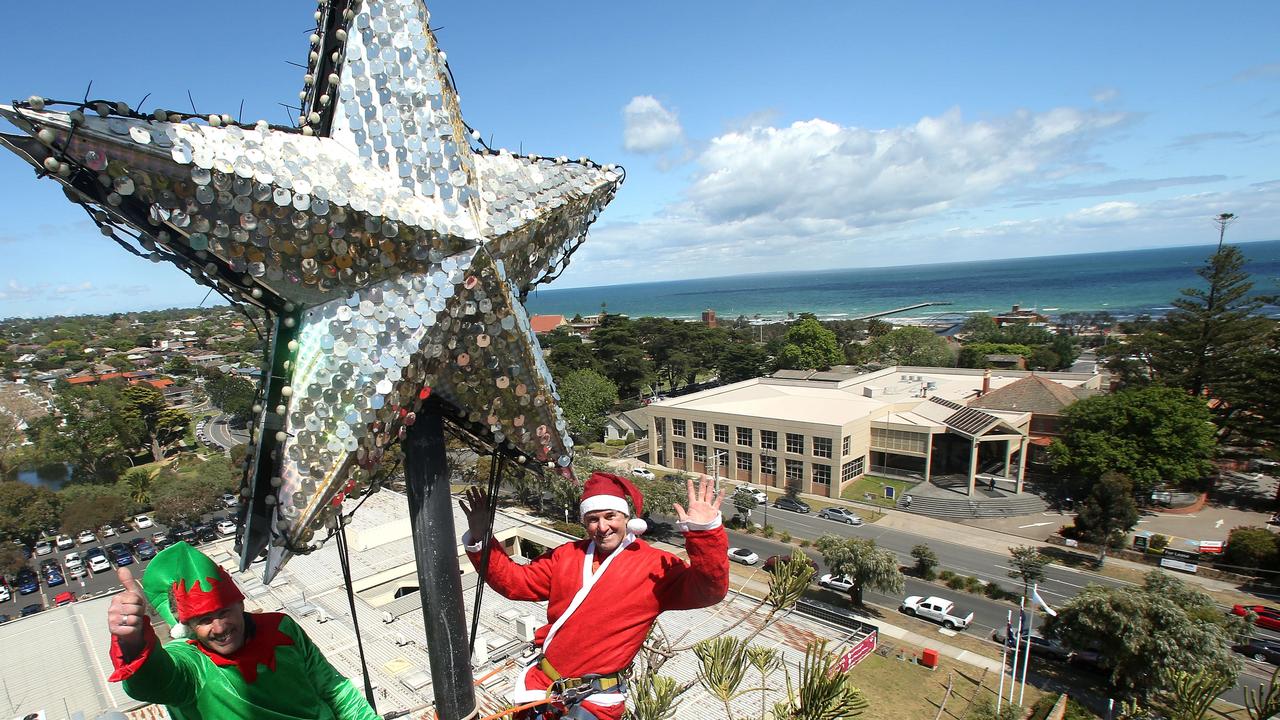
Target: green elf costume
point(277, 674)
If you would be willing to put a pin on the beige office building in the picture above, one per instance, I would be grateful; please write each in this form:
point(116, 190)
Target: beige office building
point(821, 431)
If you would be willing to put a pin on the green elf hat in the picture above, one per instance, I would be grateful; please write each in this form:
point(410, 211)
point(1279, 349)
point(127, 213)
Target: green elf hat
point(182, 583)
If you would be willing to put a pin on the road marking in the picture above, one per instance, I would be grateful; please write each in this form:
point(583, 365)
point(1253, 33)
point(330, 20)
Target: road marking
point(1020, 527)
point(1218, 524)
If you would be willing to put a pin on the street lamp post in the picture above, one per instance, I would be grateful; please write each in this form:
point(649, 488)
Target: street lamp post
point(764, 453)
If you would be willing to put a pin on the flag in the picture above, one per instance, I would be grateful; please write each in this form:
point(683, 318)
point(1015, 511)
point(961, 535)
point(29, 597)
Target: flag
point(1035, 595)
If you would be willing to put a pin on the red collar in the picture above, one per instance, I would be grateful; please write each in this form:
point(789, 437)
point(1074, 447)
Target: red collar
point(259, 649)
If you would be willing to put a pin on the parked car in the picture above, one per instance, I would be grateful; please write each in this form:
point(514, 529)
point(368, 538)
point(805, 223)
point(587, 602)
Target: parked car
point(4, 618)
point(205, 533)
point(107, 531)
point(75, 573)
point(1267, 616)
point(160, 540)
point(772, 562)
point(1260, 649)
point(5, 594)
point(44, 547)
point(743, 555)
point(27, 581)
point(644, 473)
point(756, 493)
point(97, 560)
point(1040, 646)
point(145, 550)
point(226, 527)
point(64, 542)
point(142, 521)
point(86, 537)
point(72, 559)
point(939, 610)
point(839, 583)
point(230, 500)
point(64, 598)
point(182, 534)
point(791, 504)
point(31, 609)
point(53, 577)
point(840, 514)
point(120, 554)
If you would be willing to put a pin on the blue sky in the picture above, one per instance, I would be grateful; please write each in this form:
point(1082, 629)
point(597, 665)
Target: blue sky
point(755, 135)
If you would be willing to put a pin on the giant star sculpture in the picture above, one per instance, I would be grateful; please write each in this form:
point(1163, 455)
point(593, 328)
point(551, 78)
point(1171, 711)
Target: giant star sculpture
point(390, 255)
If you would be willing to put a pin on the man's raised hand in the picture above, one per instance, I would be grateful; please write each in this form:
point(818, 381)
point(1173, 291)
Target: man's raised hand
point(475, 504)
point(127, 615)
point(704, 503)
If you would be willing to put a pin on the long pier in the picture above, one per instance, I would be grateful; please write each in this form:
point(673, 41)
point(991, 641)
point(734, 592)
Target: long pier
point(901, 309)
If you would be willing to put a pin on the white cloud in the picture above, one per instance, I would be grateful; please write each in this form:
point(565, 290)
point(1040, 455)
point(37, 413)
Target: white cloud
point(1108, 212)
point(1105, 95)
point(649, 127)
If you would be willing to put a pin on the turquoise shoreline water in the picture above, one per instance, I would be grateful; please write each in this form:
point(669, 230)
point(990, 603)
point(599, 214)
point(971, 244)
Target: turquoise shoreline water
point(1124, 283)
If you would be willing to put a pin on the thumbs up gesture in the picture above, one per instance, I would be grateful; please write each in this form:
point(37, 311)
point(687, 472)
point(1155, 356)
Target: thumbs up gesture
point(127, 615)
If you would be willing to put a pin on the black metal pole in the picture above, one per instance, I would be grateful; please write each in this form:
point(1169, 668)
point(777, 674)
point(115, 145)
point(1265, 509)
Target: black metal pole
point(439, 577)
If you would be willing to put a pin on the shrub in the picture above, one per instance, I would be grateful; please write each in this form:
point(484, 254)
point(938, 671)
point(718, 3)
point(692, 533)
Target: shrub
point(615, 443)
point(994, 591)
point(750, 529)
point(955, 582)
point(767, 531)
point(946, 575)
point(1069, 532)
point(804, 542)
point(1159, 542)
point(973, 584)
point(926, 561)
point(573, 529)
point(785, 536)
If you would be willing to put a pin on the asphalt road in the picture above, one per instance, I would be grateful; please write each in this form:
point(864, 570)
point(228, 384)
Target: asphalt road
point(220, 433)
point(1060, 583)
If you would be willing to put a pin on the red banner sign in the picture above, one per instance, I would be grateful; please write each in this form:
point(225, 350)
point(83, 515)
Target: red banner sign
point(855, 654)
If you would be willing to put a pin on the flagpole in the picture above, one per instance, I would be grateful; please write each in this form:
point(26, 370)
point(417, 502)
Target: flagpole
point(1031, 621)
point(1004, 657)
point(1017, 648)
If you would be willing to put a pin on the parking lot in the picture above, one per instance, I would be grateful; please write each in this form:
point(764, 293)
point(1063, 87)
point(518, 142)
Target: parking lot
point(93, 584)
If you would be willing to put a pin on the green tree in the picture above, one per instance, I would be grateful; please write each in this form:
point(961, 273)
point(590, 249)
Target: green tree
point(27, 511)
point(94, 430)
point(163, 427)
point(744, 502)
point(586, 397)
point(741, 361)
point(178, 365)
point(1252, 399)
point(1252, 548)
point(980, 328)
point(11, 560)
point(1153, 435)
point(911, 345)
point(1107, 513)
point(1147, 632)
point(89, 507)
point(1028, 566)
point(974, 355)
point(926, 560)
point(231, 394)
point(181, 499)
point(138, 483)
point(866, 565)
point(809, 346)
point(623, 360)
point(1189, 694)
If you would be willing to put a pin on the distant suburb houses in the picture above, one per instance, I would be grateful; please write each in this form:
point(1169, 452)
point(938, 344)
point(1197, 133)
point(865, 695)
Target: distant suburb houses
point(821, 431)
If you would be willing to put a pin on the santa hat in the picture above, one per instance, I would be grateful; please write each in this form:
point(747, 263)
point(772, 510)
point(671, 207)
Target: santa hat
point(182, 583)
point(610, 492)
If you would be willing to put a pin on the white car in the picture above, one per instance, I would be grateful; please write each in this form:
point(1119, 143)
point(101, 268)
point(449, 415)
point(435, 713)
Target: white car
point(107, 531)
point(5, 595)
point(72, 560)
point(759, 495)
point(836, 582)
point(142, 521)
point(44, 547)
point(840, 514)
point(226, 527)
point(75, 573)
point(86, 538)
point(743, 555)
point(64, 542)
point(643, 472)
point(230, 500)
point(99, 564)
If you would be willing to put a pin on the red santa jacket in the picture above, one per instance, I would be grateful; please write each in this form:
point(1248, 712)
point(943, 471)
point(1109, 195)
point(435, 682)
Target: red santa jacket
point(606, 630)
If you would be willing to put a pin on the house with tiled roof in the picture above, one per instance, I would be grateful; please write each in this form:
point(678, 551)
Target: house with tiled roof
point(1044, 398)
point(542, 324)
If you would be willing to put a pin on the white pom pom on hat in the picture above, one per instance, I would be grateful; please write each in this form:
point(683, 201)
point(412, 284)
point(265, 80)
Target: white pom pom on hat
point(604, 491)
point(179, 631)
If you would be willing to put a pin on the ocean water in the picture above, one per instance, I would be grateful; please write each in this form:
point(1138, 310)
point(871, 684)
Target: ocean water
point(1123, 283)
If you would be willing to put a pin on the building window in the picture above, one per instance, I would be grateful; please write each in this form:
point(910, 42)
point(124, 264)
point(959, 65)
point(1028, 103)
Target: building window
point(700, 454)
point(677, 427)
point(822, 447)
point(768, 440)
point(844, 445)
point(722, 434)
point(853, 469)
point(885, 439)
point(699, 430)
point(768, 465)
point(744, 437)
point(678, 450)
point(719, 460)
point(821, 474)
point(795, 443)
point(744, 461)
point(795, 471)
point(660, 424)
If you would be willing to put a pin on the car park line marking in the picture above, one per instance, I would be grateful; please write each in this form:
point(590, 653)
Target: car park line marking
point(1039, 524)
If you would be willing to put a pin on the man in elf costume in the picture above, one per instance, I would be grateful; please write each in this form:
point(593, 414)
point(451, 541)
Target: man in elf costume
point(236, 664)
point(603, 593)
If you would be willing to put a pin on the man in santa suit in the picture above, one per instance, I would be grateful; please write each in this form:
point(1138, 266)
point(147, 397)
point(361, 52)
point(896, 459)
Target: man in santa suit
point(604, 593)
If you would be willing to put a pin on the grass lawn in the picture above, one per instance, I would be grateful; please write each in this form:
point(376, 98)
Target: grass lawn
point(903, 690)
point(874, 486)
